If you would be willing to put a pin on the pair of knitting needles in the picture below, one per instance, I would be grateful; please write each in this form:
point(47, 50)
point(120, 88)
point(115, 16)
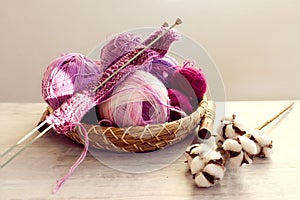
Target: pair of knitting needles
point(22, 140)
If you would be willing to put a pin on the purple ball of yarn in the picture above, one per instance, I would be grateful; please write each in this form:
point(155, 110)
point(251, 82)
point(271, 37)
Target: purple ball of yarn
point(190, 81)
point(65, 76)
point(164, 68)
point(181, 103)
point(118, 46)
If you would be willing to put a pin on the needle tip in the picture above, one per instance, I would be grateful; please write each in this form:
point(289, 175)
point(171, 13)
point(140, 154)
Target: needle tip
point(178, 21)
point(165, 24)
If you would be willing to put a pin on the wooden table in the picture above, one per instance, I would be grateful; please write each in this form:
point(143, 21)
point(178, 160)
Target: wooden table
point(33, 173)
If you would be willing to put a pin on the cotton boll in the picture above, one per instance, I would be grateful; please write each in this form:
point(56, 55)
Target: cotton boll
point(266, 152)
point(194, 150)
point(203, 151)
point(236, 154)
point(230, 132)
point(202, 181)
point(224, 131)
point(263, 143)
point(237, 125)
point(210, 175)
point(197, 164)
point(190, 155)
point(190, 148)
point(247, 159)
point(261, 138)
point(236, 161)
point(213, 156)
point(216, 171)
point(258, 147)
point(248, 145)
point(240, 125)
point(232, 145)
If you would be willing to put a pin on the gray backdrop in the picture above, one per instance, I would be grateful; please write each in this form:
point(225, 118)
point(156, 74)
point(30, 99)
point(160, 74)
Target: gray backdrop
point(254, 43)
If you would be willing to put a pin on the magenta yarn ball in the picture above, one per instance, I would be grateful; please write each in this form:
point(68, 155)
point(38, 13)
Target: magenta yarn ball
point(67, 75)
point(180, 102)
point(190, 81)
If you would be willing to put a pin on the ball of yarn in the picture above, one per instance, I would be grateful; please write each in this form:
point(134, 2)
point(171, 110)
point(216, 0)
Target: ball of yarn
point(164, 68)
point(118, 46)
point(181, 104)
point(140, 99)
point(65, 76)
point(190, 81)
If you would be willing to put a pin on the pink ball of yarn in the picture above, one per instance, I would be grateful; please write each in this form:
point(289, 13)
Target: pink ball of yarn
point(181, 103)
point(65, 76)
point(139, 100)
point(117, 47)
point(190, 81)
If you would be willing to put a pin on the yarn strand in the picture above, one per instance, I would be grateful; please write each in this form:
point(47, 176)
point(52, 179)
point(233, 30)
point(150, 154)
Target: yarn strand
point(61, 181)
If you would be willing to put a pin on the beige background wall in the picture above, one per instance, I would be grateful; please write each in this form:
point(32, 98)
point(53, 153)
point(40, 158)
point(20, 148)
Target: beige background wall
point(255, 43)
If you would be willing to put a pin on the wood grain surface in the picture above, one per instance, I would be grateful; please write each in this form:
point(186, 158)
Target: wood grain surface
point(33, 173)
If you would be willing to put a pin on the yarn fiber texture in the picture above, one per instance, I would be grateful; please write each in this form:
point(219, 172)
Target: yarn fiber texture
point(140, 99)
point(181, 104)
point(67, 75)
point(190, 81)
point(117, 47)
point(163, 68)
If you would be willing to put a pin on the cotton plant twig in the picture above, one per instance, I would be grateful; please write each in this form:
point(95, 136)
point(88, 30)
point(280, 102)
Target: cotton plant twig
point(236, 147)
point(275, 117)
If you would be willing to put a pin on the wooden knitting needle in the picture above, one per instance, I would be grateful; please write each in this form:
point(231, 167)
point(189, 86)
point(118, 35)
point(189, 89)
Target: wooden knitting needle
point(177, 22)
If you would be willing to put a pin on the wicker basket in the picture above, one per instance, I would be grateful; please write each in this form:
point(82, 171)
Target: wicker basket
point(139, 138)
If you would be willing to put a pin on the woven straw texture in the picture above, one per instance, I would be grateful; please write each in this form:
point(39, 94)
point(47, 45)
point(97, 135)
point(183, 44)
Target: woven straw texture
point(139, 138)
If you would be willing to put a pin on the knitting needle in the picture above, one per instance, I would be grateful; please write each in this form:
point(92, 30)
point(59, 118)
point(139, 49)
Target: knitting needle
point(25, 146)
point(23, 139)
point(177, 22)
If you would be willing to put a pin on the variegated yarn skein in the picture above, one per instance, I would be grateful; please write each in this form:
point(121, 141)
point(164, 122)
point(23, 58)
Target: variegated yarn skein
point(139, 100)
point(67, 75)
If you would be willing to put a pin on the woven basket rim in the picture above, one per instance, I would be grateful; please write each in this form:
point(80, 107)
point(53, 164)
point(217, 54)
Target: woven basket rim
point(138, 138)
